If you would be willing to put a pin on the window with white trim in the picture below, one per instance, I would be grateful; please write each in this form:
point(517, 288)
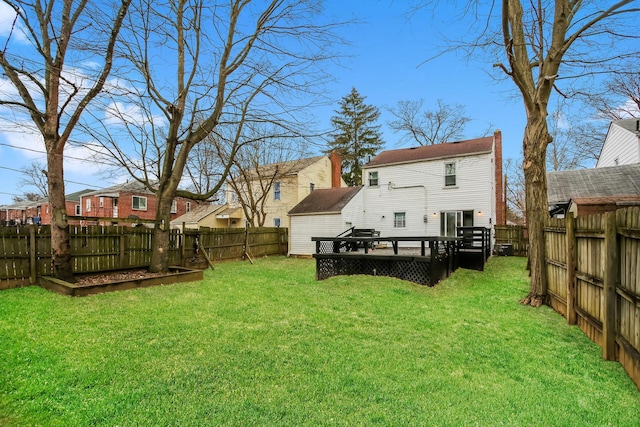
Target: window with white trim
point(139, 203)
point(399, 219)
point(188, 206)
point(101, 202)
point(174, 206)
point(449, 174)
point(87, 205)
point(373, 179)
point(276, 190)
point(276, 222)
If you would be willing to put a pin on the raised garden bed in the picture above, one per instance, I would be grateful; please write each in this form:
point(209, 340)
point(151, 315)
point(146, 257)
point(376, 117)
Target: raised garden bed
point(90, 284)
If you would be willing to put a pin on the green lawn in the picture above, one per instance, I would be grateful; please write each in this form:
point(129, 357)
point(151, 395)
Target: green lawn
point(266, 344)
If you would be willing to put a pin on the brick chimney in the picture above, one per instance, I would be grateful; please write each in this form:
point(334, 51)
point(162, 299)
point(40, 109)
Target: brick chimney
point(501, 204)
point(336, 169)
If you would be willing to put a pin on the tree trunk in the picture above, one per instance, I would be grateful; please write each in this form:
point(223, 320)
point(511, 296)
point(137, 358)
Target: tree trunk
point(162, 230)
point(60, 241)
point(536, 138)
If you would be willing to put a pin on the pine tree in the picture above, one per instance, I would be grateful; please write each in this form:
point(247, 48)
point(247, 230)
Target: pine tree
point(355, 136)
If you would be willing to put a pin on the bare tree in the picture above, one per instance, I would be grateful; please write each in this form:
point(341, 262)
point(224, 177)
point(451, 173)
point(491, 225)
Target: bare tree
point(427, 127)
point(516, 206)
point(545, 47)
point(201, 68)
point(35, 178)
point(53, 92)
point(257, 167)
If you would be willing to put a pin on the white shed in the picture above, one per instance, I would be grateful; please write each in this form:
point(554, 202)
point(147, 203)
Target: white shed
point(324, 213)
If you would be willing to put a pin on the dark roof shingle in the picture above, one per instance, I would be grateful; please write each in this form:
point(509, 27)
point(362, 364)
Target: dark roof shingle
point(431, 152)
point(329, 200)
point(599, 182)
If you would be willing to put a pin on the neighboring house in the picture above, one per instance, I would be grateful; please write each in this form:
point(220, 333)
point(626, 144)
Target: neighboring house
point(211, 216)
point(294, 180)
point(128, 200)
point(591, 191)
point(621, 145)
point(38, 212)
point(323, 213)
point(431, 190)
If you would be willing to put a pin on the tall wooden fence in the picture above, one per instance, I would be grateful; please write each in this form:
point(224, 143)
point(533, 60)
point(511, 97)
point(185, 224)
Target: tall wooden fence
point(515, 235)
point(25, 252)
point(593, 273)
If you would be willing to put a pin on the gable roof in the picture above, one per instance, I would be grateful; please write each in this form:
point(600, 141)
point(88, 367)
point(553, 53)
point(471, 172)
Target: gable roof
point(632, 125)
point(612, 181)
point(432, 152)
point(197, 214)
point(329, 200)
point(288, 168)
point(115, 190)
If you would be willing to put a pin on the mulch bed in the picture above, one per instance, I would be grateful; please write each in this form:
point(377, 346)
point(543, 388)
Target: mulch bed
point(114, 276)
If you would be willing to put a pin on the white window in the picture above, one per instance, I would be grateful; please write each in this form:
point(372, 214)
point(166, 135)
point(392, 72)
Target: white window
point(450, 220)
point(276, 222)
point(102, 202)
point(77, 210)
point(174, 206)
point(373, 179)
point(276, 190)
point(449, 174)
point(399, 219)
point(139, 203)
point(87, 205)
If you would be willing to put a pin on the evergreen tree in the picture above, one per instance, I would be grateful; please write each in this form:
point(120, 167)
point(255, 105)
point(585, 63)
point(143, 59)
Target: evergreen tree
point(355, 136)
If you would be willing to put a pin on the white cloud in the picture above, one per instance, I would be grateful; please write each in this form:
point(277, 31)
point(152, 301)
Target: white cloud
point(7, 26)
point(119, 113)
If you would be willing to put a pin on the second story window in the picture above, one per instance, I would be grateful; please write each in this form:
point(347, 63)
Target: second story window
point(174, 206)
point(102, 202)
point(373, 179)
point(449, 174)
point(87, 205)
point(312, 187)
point(276, 190)
point(188, 206)
point(139, 203)
point(77, 210)
point(276, 222)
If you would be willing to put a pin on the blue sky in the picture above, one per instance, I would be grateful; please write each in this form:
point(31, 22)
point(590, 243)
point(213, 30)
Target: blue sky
point(385, 51)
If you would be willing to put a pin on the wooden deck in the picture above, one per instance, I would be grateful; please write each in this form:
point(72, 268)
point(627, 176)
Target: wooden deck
point(437, 259)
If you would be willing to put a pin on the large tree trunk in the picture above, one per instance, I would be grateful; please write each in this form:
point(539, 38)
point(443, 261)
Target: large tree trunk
point(162, 230)
point(536, 138)
point(60, 246)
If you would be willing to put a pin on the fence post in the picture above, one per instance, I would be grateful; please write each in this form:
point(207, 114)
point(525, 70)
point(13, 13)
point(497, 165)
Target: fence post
point(610, 283)
point(32, 255)
point(571, 268)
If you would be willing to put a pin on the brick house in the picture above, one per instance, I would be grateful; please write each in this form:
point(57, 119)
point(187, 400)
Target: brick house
point(128, 200)
point(38, 212)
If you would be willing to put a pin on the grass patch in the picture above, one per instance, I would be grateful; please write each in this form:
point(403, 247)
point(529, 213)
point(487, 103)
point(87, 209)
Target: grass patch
point(266, 344)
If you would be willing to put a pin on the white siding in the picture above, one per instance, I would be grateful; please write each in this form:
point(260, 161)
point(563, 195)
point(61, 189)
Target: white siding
point(304, 227)
point(419, 190)
point(619, 144)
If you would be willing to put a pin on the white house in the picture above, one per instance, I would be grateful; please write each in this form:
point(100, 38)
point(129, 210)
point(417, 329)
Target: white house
point(430, 190)
point(324, 213)
point(420, 191)
point(621, 145)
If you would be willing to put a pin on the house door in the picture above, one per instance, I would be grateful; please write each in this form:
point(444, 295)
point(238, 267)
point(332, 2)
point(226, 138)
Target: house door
point(115, 207)
point(450, 220)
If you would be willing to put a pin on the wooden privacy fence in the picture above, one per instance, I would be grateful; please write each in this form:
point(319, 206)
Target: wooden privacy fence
point(515, 235)
point(25, 252)
point(593, 275)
